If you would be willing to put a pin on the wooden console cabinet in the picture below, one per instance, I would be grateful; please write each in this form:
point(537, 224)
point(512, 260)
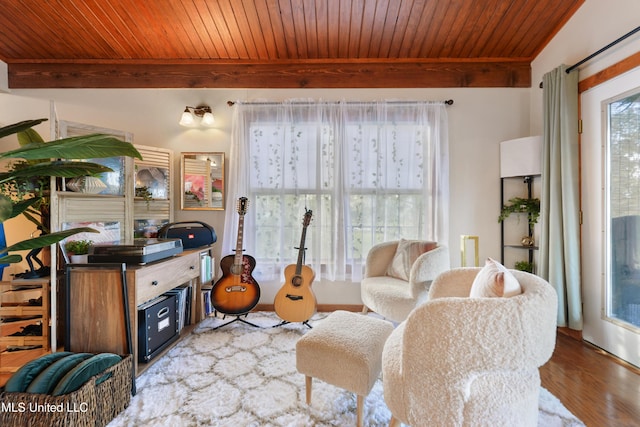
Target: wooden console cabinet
point(97, 316)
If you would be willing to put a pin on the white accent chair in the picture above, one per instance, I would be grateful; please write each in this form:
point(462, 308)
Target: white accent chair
point(461, 361)
point(394, 298)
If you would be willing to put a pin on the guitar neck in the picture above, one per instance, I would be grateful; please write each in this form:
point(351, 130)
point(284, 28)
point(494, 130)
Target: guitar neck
point(301, 251)
point(238, 256)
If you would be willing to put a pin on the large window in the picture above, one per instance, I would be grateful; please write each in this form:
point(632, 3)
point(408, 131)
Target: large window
point(369, 172)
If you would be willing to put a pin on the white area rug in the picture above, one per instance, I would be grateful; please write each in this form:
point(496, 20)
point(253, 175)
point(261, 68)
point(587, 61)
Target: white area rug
point(244, 376)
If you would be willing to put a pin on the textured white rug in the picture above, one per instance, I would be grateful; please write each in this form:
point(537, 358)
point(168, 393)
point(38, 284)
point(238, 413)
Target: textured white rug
point(243, 376)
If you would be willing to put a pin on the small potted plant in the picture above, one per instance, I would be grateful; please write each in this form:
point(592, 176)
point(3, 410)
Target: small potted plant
point(78, 250)
point(144, 193)
point(520, 205)
point(524, 266)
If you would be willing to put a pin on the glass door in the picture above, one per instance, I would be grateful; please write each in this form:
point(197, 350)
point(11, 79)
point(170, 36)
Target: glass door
point(623, 213)
point(611, 211)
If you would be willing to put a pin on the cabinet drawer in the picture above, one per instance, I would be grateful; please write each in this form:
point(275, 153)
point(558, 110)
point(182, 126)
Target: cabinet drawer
point(154, 280)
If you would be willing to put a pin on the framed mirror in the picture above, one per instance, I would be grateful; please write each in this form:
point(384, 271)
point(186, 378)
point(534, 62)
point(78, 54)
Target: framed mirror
point(202, 181)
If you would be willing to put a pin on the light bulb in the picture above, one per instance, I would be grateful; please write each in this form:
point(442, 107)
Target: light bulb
point(208, 119)
point(187, 118)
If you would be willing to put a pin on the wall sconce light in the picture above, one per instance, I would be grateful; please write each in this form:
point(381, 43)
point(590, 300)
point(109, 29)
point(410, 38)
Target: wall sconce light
point(194, 116)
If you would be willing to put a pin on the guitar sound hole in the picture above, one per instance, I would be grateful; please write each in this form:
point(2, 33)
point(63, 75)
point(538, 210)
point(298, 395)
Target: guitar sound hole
point(296, 280)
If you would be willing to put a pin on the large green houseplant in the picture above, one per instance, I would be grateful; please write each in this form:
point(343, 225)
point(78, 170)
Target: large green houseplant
point(24, 186)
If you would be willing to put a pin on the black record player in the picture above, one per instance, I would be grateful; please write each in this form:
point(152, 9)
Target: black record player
point(142, 251)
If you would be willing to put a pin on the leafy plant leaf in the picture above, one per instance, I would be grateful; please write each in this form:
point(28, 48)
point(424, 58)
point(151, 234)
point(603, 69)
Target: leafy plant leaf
point(58, 168)
point(77, 147)
point(10, 259)
point(6, 208)
point(20, 207)
point(19, 127)
point(29, 214)
point(29, 136)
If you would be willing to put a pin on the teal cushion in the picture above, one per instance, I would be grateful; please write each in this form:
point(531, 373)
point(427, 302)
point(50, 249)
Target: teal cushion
point(48, 379)
point(75, 378)
point(19, 381)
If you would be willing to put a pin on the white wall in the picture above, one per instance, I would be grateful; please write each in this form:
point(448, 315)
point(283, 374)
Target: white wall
point(479, 119)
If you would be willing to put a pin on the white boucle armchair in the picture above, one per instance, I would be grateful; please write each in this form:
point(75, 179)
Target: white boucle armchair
point(394, 298)
point(460, 361)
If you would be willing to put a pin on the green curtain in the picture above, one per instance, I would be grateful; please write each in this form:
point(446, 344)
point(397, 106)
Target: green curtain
point(559, 261)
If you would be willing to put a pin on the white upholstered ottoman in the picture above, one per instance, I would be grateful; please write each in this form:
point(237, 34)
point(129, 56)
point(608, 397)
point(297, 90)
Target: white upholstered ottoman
point(345, 350)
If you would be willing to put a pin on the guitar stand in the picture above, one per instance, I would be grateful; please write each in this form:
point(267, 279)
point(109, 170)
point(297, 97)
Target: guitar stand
point(237, 319)
point(284, 322)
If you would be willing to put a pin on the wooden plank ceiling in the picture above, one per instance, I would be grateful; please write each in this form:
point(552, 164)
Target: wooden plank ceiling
point(276, 43)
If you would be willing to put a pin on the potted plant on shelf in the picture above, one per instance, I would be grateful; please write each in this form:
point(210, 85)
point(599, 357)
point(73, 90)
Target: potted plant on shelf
point(32, 164)
point(144, 193)
point(519, 205)
point(78, 250)
point(524, 266)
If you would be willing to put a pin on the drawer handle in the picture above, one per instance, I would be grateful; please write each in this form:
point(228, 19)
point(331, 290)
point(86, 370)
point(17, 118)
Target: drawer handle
point(193, 267)
point(154, 283)
point(163, 312)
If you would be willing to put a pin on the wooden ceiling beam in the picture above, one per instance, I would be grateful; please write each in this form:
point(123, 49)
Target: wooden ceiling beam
point(275, 74)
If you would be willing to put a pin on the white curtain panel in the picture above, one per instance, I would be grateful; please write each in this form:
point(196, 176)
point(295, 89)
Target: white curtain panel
point(369, 171)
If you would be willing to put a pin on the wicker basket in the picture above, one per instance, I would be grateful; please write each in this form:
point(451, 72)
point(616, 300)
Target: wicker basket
point(91, 405)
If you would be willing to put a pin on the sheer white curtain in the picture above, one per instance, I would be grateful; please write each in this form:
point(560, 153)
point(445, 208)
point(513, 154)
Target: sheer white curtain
point(370, 172)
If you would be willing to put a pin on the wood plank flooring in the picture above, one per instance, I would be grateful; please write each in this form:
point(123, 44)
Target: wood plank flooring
point(596, 387)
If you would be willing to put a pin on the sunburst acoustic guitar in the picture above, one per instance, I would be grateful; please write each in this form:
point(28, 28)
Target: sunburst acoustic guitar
point(236, 292)
point(295, 301)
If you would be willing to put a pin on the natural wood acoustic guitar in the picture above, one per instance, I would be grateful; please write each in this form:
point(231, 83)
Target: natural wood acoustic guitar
point(295, 301)
point(236, 292)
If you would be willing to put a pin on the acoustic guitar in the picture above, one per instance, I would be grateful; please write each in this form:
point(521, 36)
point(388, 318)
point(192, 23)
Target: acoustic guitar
point(295, 301)
point(236, 292)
